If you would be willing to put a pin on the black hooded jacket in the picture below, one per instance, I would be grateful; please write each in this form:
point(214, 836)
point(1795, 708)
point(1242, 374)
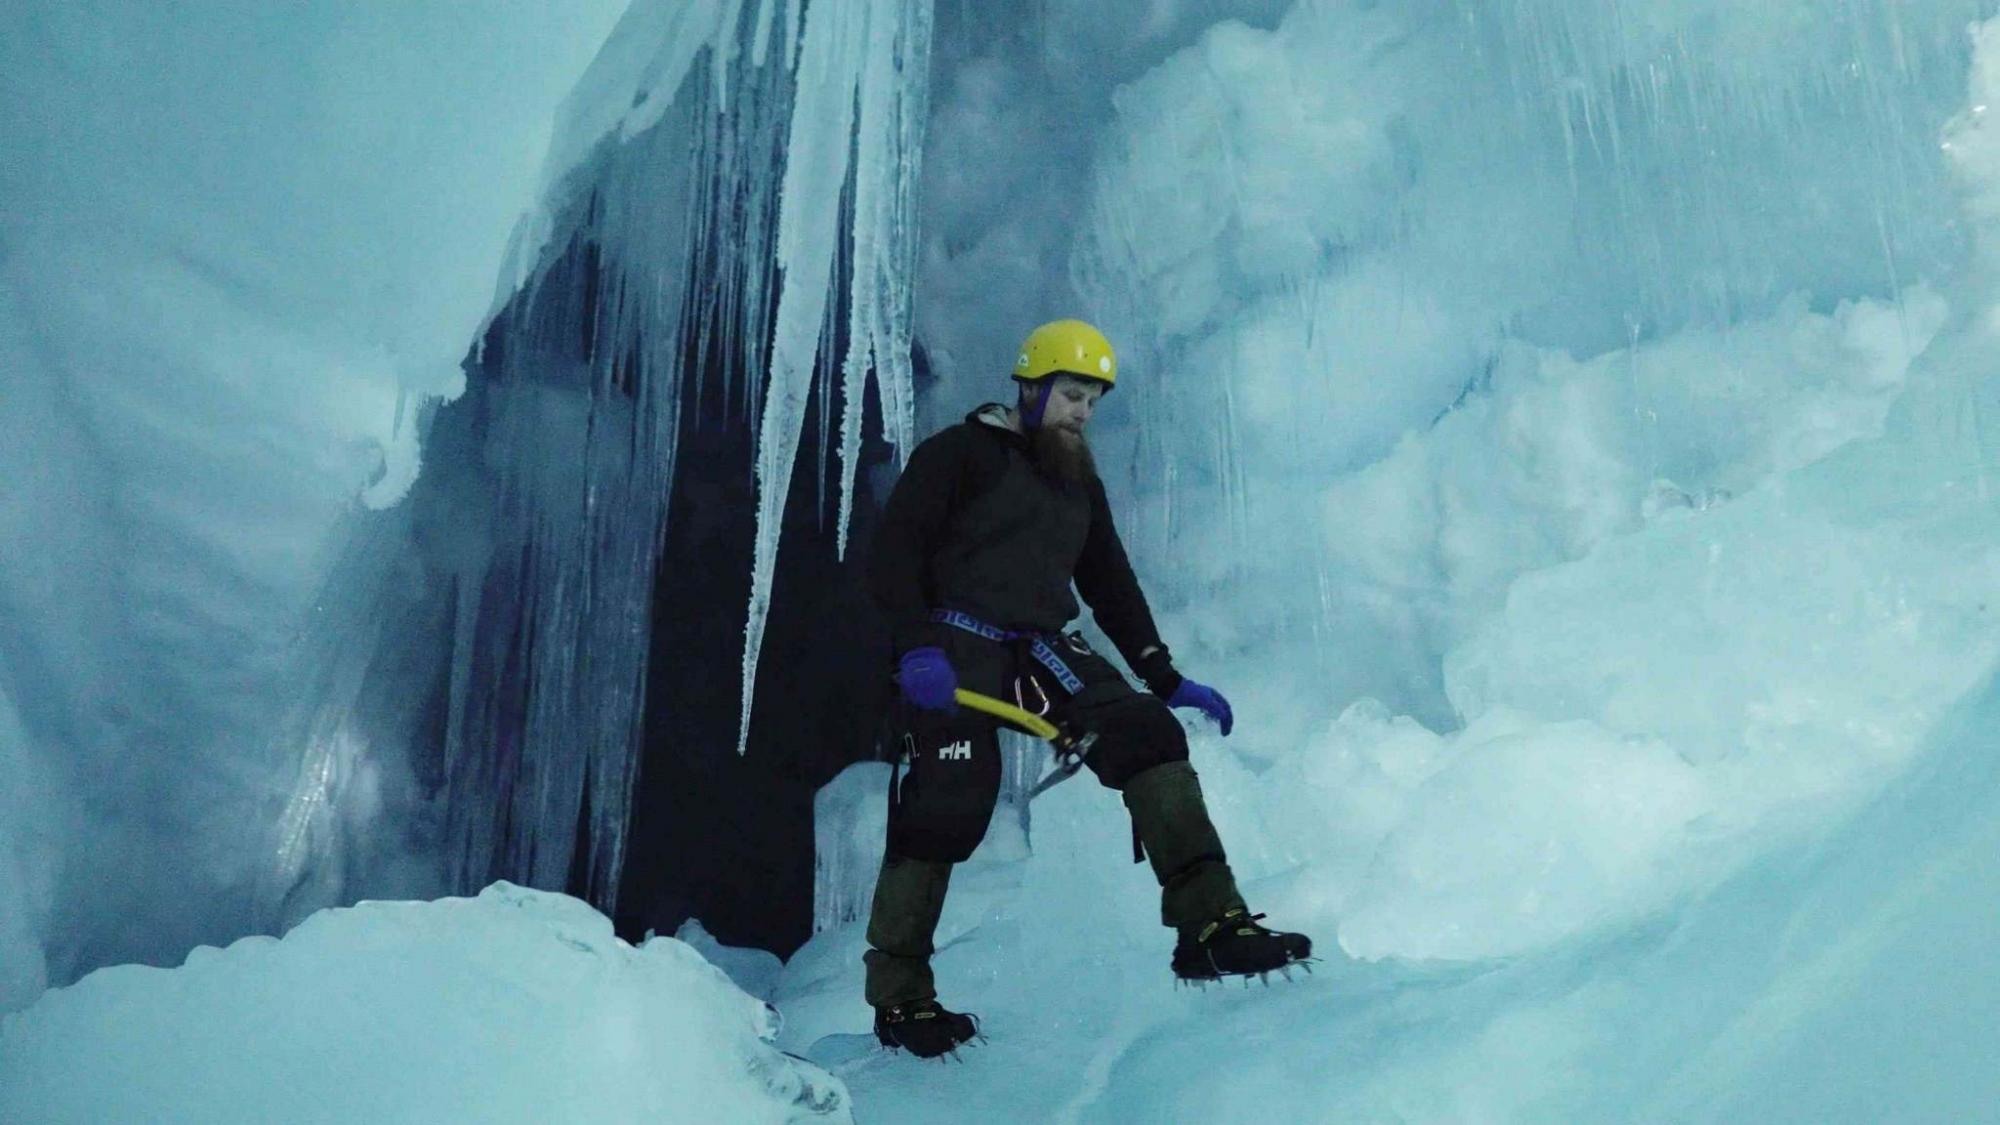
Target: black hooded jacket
point(973, 525)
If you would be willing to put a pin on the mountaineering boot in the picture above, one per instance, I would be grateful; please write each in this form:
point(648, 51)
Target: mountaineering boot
point(923, 1028)
point(1171, 821)
point(1235, 945)
point(1198, 896)
point(909, 898)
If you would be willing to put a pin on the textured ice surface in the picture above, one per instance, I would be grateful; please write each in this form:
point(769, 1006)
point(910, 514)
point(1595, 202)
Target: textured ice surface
point(1673, 555)
point(513, 1006)
point(238, 244)
point(1659, 428)
point(1379, 226)
point(850, 821)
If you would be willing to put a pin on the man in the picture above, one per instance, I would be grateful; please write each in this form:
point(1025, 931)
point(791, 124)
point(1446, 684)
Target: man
point(991, 522)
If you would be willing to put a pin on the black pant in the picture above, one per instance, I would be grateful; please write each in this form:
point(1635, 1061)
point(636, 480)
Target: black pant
point(941, 808)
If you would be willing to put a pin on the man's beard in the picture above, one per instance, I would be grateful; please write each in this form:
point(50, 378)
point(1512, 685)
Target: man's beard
point(1063, 454)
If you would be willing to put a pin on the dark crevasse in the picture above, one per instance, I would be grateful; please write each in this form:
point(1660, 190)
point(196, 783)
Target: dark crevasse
point(714, 834)
point(724, 837)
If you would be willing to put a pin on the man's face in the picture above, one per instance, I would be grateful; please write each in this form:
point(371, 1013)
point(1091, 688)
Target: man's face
point(1071, 401)
point(1058, 442)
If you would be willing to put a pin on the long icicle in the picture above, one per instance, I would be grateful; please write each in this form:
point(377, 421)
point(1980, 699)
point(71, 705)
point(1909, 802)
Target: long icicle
point(850, 54)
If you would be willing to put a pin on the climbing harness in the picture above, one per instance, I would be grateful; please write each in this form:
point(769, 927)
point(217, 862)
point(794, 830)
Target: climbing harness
point(1038, 645)
point(1070, 747)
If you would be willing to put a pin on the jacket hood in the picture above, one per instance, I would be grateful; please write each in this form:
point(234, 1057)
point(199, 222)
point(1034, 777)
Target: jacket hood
point(992, 417)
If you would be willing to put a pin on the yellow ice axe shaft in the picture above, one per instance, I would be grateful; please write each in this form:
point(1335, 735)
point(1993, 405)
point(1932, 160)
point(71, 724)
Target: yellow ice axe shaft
point(1070, 750)
point(1027, 720)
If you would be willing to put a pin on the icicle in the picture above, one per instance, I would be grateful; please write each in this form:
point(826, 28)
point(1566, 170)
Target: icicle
point(850, 54)
point(792, 33)
point(894, 377)
point(816, 166)
point(550, 621)
point(873, 200)
point(760, 36)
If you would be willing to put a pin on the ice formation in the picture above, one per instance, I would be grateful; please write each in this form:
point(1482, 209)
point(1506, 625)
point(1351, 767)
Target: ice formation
point(850, 821)
point(236, 250)
point(1564, 428)
point(867, 60)
point(242, 266)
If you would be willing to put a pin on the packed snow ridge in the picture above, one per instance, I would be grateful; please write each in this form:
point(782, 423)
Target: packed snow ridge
point(517, 1005)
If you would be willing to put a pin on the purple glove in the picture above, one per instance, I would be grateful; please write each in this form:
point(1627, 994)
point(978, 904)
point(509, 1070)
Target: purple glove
point(1209, 700)
point(928, 679)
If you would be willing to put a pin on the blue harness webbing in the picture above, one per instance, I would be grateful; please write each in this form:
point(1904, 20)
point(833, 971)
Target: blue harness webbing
point(1038, 647)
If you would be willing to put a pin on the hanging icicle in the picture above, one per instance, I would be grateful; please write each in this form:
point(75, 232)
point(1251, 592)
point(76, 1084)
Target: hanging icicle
point(874, 54)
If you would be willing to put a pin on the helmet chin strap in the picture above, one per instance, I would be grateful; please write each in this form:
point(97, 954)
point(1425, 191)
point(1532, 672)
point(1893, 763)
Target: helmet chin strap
point(1031, 412)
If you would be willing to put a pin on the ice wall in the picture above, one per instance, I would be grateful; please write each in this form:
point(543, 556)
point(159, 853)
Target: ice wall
point(1571, 381)
point(1372, 221)
point(244, 249)
point(236, 248)
point(31, 812)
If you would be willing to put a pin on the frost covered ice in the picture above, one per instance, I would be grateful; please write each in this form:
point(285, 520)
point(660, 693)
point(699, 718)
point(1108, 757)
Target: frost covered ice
point(237, 250)
point(517, 1005)
point(243, 256)
point(850, 821)
point(1670, 582)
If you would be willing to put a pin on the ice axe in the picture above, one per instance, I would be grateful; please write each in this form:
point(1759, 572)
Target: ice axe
point(1070, 748)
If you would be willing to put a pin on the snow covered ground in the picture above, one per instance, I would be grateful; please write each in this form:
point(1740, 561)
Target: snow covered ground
point(1845, 976)
point(517, 1005)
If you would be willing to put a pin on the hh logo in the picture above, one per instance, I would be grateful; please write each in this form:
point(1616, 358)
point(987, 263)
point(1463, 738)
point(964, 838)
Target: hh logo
point(956, 752)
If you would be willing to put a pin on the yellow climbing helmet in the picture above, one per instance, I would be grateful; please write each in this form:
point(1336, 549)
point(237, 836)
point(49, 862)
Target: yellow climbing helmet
point(1067, 347)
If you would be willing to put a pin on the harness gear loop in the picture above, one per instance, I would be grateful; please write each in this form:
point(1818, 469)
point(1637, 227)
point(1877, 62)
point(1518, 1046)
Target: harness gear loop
point(1021, 699)
point(908, 754)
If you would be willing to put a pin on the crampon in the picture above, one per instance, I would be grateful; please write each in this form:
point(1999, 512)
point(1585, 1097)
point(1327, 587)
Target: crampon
point(1235, 945)
point(925, 1029)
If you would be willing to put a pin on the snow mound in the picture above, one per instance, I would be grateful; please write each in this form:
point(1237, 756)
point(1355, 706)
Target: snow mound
point(517, 1005)
point(755, 971)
